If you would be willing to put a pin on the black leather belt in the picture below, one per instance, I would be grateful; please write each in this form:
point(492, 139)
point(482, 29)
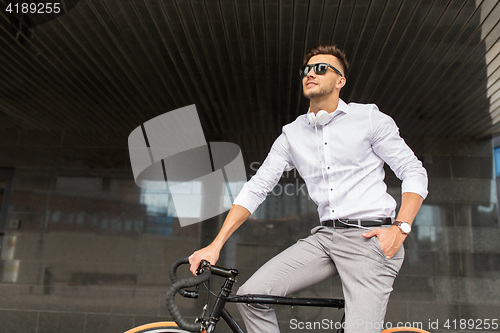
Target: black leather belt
point(357, 222)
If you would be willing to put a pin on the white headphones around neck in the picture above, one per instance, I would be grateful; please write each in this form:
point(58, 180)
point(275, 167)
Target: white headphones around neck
point(320, 118)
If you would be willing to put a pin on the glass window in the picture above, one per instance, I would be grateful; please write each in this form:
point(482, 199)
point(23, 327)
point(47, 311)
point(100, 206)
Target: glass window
point(497, 161)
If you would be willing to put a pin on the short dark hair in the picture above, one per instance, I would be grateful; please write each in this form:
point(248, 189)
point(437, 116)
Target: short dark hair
point(328, 49)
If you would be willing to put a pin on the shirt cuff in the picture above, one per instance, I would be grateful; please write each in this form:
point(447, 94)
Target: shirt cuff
point(415, 186)
point(245, 200)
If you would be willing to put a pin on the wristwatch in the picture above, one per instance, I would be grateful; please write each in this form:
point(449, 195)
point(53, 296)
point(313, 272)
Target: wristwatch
point(404, 226)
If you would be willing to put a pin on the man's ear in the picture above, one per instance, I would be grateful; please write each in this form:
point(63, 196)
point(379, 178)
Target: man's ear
point(342, 81)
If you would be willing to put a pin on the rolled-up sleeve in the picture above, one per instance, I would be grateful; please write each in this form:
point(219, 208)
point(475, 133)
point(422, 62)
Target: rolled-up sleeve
point(255, 191)
point(390, 147)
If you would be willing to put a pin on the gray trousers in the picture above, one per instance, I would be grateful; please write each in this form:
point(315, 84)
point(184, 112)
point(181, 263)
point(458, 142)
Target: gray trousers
point(367, 277)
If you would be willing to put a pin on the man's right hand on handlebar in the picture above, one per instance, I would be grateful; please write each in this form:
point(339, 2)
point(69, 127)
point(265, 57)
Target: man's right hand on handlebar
point(209, 253)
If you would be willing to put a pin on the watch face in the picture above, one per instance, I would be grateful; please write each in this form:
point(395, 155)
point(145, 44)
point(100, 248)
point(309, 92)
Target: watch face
point(405, 227)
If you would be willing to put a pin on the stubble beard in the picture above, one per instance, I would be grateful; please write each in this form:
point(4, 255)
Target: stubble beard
point(319, 94)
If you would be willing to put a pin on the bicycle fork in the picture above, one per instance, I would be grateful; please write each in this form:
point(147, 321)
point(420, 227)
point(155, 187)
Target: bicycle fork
point(218, 309)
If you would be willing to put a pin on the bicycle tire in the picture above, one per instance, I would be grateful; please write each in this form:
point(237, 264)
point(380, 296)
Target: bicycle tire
point(158, 327)
point(404, 330)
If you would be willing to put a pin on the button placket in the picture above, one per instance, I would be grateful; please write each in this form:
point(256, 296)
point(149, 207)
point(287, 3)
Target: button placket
point(326, 153)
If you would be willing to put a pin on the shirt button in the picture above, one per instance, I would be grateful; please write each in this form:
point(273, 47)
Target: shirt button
point(328, 168)
point(331, 189)
point(333, 210)
point(326, 143)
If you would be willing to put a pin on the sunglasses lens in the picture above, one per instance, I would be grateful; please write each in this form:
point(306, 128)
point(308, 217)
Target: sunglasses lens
point(304, 70)
point(320, 69)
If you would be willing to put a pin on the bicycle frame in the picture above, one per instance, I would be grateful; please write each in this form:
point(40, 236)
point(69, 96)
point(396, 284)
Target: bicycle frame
point(218, 310)
point(269, 299)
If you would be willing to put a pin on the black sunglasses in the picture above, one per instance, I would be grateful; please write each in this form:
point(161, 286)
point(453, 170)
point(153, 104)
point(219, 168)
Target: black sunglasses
point(319, 68)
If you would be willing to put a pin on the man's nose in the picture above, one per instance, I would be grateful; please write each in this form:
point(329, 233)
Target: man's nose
point(311, 73)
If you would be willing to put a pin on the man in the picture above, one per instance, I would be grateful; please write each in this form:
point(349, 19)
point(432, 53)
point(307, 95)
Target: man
point(339, 150)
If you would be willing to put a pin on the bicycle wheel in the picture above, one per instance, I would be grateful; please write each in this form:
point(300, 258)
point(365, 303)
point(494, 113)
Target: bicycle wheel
point(158, 327)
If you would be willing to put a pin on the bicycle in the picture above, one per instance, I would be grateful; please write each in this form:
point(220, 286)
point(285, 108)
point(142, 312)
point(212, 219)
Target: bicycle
point(207, 325)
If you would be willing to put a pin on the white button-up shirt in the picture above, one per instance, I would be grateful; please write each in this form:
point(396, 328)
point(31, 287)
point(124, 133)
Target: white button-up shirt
point(341, 164)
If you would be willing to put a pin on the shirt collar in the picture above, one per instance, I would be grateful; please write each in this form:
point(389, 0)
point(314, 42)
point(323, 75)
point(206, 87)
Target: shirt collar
point(342, 107)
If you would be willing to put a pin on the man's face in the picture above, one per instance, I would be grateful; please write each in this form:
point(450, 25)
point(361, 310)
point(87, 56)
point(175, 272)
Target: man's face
point(319, 86)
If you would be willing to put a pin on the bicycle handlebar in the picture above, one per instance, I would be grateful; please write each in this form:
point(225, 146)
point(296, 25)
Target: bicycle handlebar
point(178, 286)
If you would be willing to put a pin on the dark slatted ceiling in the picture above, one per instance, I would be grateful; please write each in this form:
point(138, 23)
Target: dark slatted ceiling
point(113, 64)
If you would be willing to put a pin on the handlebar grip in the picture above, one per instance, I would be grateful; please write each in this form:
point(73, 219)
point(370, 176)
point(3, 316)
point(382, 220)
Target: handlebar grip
point(173, 268)
point(178, 285)
point(173, 277)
